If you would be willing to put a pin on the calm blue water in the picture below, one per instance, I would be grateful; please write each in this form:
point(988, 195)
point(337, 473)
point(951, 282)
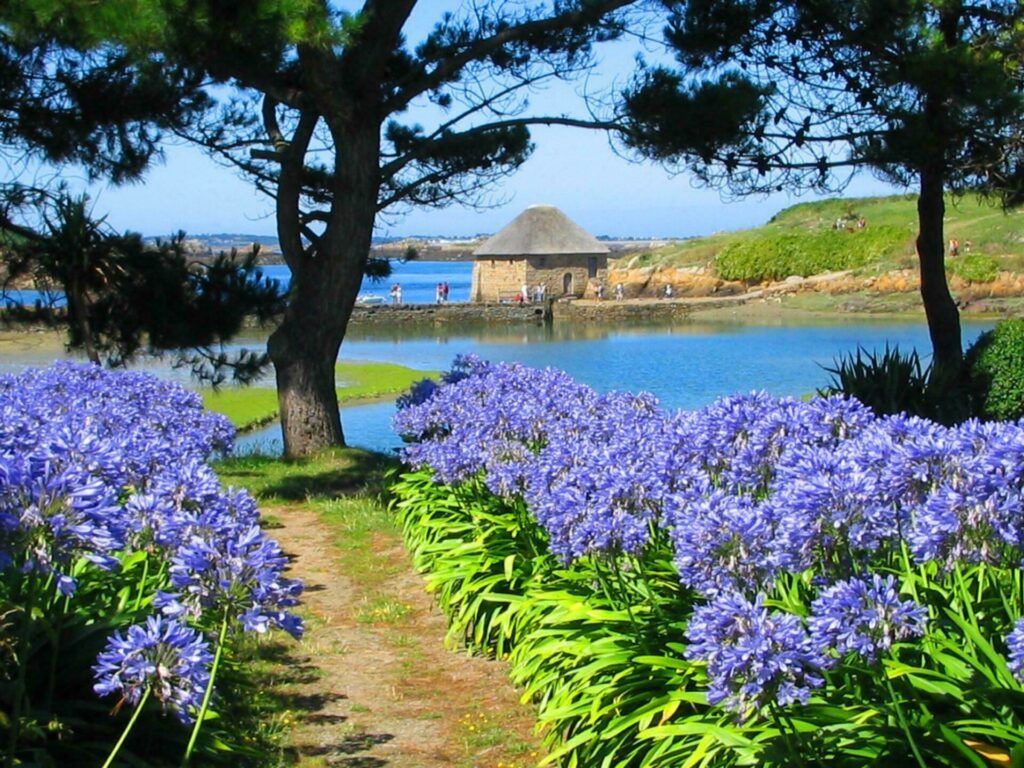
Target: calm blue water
point(418, 279)
point(29, 298)
point(686, 366)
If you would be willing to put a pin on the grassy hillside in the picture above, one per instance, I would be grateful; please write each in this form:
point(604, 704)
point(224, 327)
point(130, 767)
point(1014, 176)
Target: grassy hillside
point(803, 238)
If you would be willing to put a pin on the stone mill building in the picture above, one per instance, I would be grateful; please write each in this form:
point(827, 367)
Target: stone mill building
point(541, 246)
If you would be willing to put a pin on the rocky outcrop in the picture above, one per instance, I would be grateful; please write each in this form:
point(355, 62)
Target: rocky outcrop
point(650, 283)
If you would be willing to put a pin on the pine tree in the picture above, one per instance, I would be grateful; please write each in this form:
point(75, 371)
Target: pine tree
point(797, 94)
point(321, 125)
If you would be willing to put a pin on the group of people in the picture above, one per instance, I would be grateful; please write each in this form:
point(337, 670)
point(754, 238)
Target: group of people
point(396, 293)
point(954, 247)
point(441, 293)
point(620, 291)
point(841, 223)
point(525, 295)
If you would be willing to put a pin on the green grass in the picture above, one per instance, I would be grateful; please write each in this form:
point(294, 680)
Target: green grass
point(333, 480)
point(346, 487)
point(249, 407)
point(992, 232)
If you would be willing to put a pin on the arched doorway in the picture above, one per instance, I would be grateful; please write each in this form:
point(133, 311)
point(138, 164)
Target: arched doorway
point(567, 283)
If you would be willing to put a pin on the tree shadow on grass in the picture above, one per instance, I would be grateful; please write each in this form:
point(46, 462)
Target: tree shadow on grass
point(340, 472)
point(362, 475)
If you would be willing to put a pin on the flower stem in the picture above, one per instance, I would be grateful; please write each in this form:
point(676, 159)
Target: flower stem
point(142, 584)
point(127, 728)
point(55, 657)
point(627, 600)
point(903, 723)
point(24, 635)
point(787, 733)
point(208, 694)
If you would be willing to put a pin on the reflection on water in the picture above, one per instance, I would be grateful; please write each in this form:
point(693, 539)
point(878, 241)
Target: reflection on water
point(685, 365)
point(485, 333)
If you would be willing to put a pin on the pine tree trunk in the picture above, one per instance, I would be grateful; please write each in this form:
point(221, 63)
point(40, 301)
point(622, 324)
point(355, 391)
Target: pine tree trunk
point(325, 283)
point(304, 348)
point(940, 309)
point(78, 315)
point(306, 395)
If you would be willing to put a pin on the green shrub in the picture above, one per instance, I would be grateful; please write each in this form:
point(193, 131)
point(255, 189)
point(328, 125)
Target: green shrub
point(600, 647)
point(892, 383)
point(974, 267)
point(995, 364)
point(594, 645)
point(778, 255)
point(897, 383)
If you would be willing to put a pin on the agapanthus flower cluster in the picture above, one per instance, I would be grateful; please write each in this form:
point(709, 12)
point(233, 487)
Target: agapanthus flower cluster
point(73, 439)
point(829, 484)
point(95, 466)
point(596, 486)
point(831, 509)
point(723, 542)
point(492, 421)
point(463, 367)
point(755, 657)
point(865, 616)
point(752, 492)
point(170, 660)
point(227, 564)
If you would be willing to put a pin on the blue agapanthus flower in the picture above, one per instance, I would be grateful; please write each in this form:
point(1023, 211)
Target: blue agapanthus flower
point(755, 657)
point(1015, 645)
point(228, 563)
point(599, 483)
point(832, 509)
point(493, 421)
point(970, 505)
point(723, 542)
point(865, 616)
point(163, 656)
point(418, 393)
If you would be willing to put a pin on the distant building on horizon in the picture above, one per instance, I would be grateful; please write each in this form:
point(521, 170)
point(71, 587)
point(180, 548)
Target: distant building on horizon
point(540, 246)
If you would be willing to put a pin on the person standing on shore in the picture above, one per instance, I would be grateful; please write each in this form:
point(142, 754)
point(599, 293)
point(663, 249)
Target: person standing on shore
point(600, 291)
point(668, 290)
point(439, 293)
point(444, 293)
point(619, 292)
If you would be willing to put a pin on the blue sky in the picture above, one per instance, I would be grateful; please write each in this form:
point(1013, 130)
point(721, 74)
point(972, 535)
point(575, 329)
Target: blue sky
point(573, 169)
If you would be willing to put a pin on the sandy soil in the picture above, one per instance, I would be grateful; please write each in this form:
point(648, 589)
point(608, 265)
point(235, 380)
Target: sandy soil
point(388, 692)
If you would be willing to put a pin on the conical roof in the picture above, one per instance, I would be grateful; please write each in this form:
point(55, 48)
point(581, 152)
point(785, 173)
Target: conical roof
point(541, 230)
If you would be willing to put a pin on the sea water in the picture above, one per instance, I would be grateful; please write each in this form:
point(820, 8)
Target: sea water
point(687, 365)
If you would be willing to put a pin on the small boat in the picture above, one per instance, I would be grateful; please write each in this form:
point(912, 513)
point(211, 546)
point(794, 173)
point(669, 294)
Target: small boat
point(369, 299)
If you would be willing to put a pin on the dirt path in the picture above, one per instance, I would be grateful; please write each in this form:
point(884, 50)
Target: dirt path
point(376, 685)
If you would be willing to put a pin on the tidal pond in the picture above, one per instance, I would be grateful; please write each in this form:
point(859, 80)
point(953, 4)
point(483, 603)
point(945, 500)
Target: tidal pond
point(687, 365)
